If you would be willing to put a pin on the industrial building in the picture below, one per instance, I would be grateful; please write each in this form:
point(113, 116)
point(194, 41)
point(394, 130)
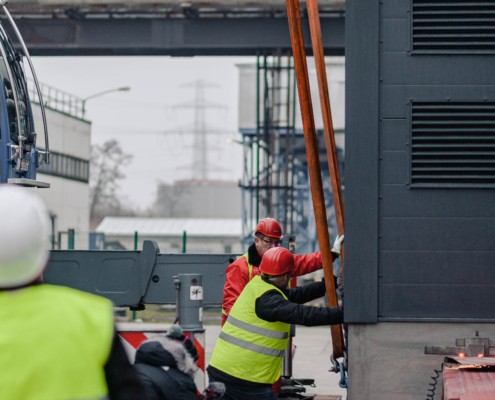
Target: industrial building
point(419, 175)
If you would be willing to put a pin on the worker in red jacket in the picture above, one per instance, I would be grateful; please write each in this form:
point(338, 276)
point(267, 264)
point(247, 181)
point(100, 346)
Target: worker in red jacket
point(268, 234)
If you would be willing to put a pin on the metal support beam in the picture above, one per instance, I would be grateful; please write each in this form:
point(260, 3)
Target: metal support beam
point(136, 278)
point(173, 37)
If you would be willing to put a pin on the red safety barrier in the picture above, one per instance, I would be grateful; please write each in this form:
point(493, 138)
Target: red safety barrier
point(133, 334)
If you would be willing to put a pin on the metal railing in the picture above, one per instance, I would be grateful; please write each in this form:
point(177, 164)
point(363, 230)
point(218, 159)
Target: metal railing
point(57, 100)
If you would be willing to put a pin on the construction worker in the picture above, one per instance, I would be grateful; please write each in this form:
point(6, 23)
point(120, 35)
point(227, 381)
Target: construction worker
point(56, 343)
point(268, 234)
point(166, 367)
point(249, 351)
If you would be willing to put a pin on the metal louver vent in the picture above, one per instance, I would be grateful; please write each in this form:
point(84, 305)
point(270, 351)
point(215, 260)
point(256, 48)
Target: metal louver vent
point(453, 26)
point(453, 144)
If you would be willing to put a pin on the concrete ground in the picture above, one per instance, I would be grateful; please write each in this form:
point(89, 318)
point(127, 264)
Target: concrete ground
point(311, 360)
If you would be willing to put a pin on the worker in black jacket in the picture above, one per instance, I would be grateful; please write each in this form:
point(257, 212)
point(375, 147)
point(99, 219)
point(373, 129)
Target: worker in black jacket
point(258, 328)
point(166, 368)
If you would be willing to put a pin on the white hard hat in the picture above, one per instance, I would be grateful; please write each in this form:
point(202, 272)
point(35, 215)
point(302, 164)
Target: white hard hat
point(24, 232)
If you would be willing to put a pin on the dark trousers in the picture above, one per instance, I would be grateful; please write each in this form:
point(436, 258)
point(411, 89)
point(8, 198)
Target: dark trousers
point(238, 391)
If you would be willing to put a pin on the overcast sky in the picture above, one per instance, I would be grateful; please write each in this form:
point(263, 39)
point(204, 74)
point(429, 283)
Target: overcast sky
point(154, 120)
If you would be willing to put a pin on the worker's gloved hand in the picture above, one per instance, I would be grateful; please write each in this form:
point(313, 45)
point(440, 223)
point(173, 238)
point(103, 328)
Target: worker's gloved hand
point(337, 245)
point(215, 390)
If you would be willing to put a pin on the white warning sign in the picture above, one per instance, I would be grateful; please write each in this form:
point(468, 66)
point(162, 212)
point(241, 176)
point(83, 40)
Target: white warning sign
point(196, 293)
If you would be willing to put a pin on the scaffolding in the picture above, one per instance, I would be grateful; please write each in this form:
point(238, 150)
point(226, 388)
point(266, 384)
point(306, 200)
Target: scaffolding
point(269, 174)
point(275, 181)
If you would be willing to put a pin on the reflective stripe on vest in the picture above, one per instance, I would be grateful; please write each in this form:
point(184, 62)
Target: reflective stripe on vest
point(251, 346)
point(246, 340)
point(54, 344)
point(257, 329)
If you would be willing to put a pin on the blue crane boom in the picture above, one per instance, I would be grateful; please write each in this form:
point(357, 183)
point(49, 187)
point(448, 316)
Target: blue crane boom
point(20, 157)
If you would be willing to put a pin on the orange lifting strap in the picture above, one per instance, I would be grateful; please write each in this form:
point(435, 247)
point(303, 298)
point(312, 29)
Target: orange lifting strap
point(302, 78)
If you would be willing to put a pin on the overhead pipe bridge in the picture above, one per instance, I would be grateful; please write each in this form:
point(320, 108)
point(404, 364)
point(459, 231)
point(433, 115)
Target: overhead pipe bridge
point(214, 28)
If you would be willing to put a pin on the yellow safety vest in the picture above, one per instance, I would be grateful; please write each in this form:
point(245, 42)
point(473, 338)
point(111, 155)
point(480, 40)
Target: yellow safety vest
point(250, 275)
point(249, 347)
point(250, 266)
point(54, 343)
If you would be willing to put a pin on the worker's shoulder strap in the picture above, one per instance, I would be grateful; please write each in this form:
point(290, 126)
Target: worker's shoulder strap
point(250, 267)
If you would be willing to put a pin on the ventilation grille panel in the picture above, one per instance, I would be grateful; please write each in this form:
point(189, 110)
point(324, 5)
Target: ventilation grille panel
point(453, 144)
point(453, 26)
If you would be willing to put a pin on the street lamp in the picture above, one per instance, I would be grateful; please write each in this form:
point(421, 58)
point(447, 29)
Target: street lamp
point(120, 89)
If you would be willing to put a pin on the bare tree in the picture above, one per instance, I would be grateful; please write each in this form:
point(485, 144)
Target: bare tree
point(107, 161)
point(168, 201)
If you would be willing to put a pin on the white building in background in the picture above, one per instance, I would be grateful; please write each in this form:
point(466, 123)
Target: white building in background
point(67, 199)
point(200, 235)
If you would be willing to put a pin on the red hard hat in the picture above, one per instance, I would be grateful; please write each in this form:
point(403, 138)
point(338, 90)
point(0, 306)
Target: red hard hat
point(269, 227)
point(277, 261)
